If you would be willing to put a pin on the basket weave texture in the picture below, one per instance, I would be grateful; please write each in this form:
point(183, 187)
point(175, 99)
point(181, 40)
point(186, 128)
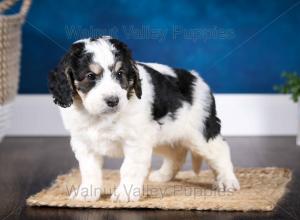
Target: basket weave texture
point(10, 49)
point(261, 189)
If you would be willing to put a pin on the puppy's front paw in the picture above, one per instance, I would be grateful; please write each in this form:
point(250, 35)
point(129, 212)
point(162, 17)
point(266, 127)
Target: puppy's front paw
point(86, 193)
point(158, 176)
point(227, 183)
point(125, 193)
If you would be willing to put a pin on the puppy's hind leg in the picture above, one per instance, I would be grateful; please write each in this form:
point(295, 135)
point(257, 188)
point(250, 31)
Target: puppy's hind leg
point(173, 158)
point(196, 162)
point(217, 154)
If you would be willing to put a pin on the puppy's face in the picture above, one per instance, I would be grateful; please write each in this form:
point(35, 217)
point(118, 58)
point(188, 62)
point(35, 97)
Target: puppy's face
point(100, 72)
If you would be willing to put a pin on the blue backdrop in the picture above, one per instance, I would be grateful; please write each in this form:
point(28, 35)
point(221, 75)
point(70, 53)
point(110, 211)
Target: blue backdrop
point(237, 46)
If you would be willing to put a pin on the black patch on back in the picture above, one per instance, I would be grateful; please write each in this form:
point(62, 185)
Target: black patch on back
point(169, 92)
point(212, 124)
point(185, 83)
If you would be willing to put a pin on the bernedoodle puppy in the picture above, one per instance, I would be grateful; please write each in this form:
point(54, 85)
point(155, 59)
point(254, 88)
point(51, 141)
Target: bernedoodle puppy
point(115, 106)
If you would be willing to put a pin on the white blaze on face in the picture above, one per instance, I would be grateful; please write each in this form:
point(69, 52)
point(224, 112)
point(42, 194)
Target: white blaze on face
point(102, 52)
point(107, 86)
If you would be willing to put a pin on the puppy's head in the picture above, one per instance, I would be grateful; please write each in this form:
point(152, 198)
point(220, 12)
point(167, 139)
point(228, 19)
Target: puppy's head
point(100, 72)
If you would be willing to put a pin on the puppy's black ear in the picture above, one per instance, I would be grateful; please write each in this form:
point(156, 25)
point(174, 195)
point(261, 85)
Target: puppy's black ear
point(61, 80)
point(60, 84)
point(136, 80)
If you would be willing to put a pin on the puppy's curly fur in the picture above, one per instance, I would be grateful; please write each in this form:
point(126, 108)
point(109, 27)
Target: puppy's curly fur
point(115, 106)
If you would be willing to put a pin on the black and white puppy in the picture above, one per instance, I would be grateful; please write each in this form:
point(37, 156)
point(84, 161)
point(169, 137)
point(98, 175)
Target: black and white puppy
point(115, 106)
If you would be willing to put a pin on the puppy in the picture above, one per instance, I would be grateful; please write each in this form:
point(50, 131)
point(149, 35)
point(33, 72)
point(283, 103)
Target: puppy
point(115, 106)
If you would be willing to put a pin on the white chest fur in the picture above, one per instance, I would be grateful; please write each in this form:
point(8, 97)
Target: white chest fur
point(101, 135)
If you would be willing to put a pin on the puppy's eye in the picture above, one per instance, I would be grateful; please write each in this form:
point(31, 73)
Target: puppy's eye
point(119, 74)
point(91, 76)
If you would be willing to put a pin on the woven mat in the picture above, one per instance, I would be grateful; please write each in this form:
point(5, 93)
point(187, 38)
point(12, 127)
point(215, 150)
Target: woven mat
point(261, 189)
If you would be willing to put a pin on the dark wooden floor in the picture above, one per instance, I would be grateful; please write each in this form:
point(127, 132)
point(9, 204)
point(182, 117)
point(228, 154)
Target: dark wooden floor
point(29, 164)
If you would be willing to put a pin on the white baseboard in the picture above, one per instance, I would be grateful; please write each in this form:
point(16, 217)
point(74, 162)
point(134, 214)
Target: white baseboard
point(241, 115)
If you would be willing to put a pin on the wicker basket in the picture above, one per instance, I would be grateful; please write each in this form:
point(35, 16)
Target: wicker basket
point(10, 50)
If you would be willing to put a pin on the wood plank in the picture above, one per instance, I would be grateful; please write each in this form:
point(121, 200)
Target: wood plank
point(29, 164)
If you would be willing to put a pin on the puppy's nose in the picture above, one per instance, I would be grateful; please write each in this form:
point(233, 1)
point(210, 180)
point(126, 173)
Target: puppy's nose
point(112, 101)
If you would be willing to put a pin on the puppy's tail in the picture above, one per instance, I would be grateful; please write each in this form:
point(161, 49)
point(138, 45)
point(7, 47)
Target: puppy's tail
point(197, 162)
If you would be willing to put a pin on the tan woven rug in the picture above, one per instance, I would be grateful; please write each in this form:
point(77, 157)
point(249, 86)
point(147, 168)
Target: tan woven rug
point(261, 189)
